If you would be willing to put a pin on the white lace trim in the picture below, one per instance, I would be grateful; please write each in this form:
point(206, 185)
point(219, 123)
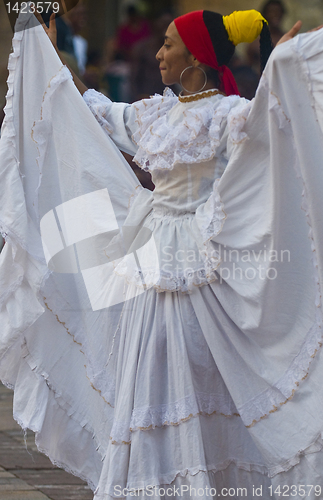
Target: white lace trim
point(94, 102)
point(165, 283)
point(169, 478)
point(183, 280)
point(195, 139)
point(8, 129)
point(315, 447)
point(236, 121)
point(69, 414)
point(9, 133)
point(150, 417)
point(46, 452)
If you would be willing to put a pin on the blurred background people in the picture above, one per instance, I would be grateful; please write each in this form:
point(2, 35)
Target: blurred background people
point(136, 28)
point(146, 80)
point(78, 22)
point(274, 11)
point(65, 41)
point(105, 53)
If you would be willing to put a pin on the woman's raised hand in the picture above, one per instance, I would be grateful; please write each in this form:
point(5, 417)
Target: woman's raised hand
point(291, 33)
point(294, 31)
point(51, 31)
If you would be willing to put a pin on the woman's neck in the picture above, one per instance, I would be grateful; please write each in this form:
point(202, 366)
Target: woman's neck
point(209, 86)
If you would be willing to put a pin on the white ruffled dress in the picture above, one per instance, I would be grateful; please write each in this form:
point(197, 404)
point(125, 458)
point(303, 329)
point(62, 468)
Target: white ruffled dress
point(206, 375)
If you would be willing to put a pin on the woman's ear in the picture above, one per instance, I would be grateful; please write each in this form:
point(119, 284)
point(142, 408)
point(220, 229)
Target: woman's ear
point(196, 62)
point(190, 58)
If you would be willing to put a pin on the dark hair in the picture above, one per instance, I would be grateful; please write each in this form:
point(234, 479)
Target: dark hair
point(213, 75)
point(266, 45)
point(223, 47)
point(279, 3)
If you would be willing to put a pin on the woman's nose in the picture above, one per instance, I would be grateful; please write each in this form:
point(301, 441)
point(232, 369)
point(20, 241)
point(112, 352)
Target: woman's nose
point(158, 55)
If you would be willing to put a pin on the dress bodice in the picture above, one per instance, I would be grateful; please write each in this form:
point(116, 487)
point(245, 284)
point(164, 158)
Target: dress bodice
point(185, 145)
point(186, 187)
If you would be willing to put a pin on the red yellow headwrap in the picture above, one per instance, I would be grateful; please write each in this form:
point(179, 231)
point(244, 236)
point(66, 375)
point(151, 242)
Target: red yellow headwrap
point(194, 33)
point(211, 38)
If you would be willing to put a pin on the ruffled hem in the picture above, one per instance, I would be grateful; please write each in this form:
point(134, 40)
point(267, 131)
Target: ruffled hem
point(192, 479)
point(25, 280)
point(55, 405)
point(195, 139)
point(282, 475)
point(55, 305)
point(153, 271)
point(150, 417)
point(274, 397)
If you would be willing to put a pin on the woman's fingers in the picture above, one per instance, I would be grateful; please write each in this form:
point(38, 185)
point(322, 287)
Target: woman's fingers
point(52, 23)
point(295, 29)
point(51, 31)
point(316, 29)
point(291, 33)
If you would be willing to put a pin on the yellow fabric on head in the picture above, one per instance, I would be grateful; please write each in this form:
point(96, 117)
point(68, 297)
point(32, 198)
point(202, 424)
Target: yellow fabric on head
point(243, 25)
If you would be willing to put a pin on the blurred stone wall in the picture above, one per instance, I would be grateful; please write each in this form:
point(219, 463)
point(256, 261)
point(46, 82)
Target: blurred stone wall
point(308, 11)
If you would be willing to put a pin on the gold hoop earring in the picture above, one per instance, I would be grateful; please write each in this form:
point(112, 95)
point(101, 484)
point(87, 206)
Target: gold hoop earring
point(195, 91)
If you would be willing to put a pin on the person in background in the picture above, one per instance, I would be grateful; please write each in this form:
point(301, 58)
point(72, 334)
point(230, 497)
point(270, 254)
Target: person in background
point(117, 78)
point(145, 71)
point(135, 29)
point(65, 41)
point(78, 21)
point(274, 11)
point(93, 75)
point(64, 32)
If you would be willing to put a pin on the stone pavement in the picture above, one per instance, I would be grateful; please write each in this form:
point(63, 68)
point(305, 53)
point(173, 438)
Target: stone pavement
point(28, 474)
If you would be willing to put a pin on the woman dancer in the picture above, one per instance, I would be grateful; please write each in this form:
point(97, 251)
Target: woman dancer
point(163, 359)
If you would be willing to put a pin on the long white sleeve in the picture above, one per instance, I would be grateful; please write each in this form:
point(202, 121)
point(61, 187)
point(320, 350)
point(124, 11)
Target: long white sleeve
point(116, 118)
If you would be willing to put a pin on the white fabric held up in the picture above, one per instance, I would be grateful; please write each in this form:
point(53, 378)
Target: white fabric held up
point(202, 372)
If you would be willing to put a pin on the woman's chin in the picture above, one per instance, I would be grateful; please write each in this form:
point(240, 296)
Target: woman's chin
point(166, 81)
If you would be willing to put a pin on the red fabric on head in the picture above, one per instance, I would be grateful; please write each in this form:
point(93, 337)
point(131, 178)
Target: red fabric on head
point(194, 33)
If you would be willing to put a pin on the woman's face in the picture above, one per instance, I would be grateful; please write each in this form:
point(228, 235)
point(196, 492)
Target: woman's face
point(173, 56)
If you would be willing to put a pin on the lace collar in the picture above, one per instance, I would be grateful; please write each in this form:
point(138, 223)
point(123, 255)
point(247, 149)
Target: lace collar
point(194, 137)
